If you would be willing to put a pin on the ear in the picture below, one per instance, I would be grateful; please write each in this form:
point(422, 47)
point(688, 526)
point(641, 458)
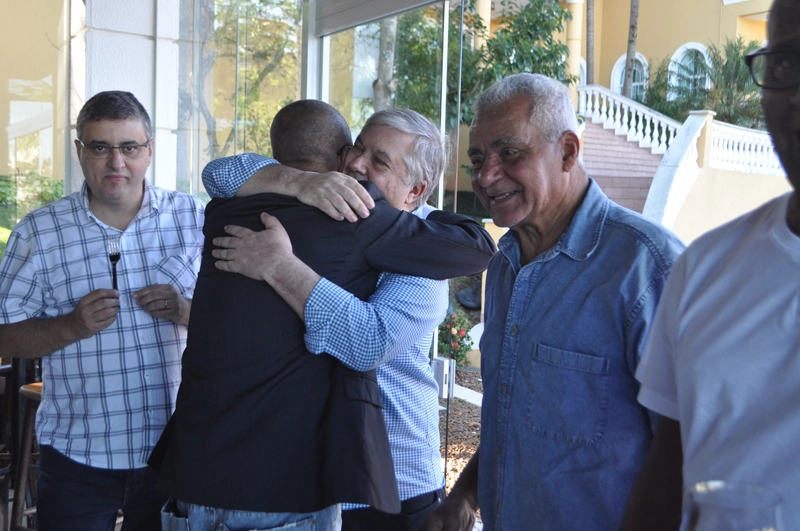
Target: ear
point(415, 193)
point(571, 146)
point(343, 151)
point(78, 148)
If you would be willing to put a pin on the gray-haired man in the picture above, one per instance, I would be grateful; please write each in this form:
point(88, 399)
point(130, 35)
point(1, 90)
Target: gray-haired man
point(401, 152)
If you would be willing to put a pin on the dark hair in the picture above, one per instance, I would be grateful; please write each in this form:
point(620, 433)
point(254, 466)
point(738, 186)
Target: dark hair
point(113, 105)
point(309, 134)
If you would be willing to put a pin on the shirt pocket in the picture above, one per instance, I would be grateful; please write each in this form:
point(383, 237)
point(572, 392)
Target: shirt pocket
point(568, 395)
point(180, 271)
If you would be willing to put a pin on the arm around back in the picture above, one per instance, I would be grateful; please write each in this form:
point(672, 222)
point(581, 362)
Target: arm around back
point(445, 245)
point(336, 194)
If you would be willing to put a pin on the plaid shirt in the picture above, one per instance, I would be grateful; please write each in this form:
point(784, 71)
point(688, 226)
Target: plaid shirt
point(107, 398)
point(392, 332)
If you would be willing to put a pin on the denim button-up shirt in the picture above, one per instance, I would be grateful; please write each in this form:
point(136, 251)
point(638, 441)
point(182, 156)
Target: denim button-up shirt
point(563, 436)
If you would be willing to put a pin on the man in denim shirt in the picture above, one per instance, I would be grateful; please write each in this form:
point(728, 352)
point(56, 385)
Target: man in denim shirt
point(570, 298)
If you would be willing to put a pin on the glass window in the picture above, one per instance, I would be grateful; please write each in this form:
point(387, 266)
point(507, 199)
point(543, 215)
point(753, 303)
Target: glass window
point(691, 72)
point(638, 82)
point(239, 63)
point(32, 108)
point(395, 62)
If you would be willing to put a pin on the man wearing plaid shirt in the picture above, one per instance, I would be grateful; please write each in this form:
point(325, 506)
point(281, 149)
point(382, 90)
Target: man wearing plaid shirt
point(110, 354)
point(401, 152)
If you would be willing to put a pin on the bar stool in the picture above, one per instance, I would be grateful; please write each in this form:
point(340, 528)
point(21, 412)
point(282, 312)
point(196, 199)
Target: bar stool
point(23, 494)
point(5, 441)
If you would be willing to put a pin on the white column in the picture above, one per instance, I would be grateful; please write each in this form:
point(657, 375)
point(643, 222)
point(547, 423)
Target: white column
point(129, 46)
point(314, 77)
point(483, 8)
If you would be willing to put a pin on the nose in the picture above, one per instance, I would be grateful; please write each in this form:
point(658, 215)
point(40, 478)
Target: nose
point(115, 159)
point(358, 163)
point(489, 173)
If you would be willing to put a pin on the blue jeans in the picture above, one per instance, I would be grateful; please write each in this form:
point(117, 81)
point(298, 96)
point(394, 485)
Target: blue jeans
point(76, 497)
point(181, 516)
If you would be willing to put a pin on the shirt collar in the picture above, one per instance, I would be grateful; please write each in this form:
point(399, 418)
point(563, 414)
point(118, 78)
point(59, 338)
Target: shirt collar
point(149, 206)
point(582, 235)
point(423, 210)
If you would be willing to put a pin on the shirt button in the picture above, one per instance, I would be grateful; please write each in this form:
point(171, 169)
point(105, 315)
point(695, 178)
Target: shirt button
point(514, 330)
point(500, 450)
point(504, 389)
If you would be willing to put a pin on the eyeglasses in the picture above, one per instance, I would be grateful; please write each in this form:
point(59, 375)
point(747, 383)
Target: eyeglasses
point(104, 151)
point(773, 69)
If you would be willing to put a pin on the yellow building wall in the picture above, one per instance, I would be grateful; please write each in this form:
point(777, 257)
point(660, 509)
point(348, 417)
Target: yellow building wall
point(666, 25)
point(719, 196)
point(751, 30)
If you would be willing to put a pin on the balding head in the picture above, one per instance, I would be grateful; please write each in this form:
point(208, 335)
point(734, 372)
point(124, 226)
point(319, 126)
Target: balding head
point(308, 135)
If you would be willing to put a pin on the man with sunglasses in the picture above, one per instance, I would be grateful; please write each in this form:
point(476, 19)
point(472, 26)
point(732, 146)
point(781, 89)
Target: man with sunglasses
point(110, 353)
point(721, 363)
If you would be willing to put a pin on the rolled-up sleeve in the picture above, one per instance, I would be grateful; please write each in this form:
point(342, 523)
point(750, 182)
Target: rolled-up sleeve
point(223, 177)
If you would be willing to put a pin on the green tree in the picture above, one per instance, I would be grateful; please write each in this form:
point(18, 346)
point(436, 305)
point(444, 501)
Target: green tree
point(721, 84)
point(259, 38)
point(525, 42)
point(630, 56)
point(734, 96)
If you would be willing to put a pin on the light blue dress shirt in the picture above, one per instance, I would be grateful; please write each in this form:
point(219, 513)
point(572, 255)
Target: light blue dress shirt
point(392, 332)
point(562, 435)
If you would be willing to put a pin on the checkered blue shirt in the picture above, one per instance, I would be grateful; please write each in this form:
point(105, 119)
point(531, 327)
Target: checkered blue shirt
point(223, 177)
point(107, 398)
point(391, 331)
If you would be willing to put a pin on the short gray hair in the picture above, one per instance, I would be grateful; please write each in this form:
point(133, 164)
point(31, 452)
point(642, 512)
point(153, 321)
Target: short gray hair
point(551, 107)
point(113, 105)
point(428, 157)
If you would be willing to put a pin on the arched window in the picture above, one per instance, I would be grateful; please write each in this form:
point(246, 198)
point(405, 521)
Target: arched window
point(640, 76)
point(688, 67)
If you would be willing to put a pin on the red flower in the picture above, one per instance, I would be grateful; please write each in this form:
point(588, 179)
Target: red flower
point(455, 345)
point(462, 333)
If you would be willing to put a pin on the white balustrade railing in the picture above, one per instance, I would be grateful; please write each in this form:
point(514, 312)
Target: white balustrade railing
point(744, 150)
point(649, 128)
